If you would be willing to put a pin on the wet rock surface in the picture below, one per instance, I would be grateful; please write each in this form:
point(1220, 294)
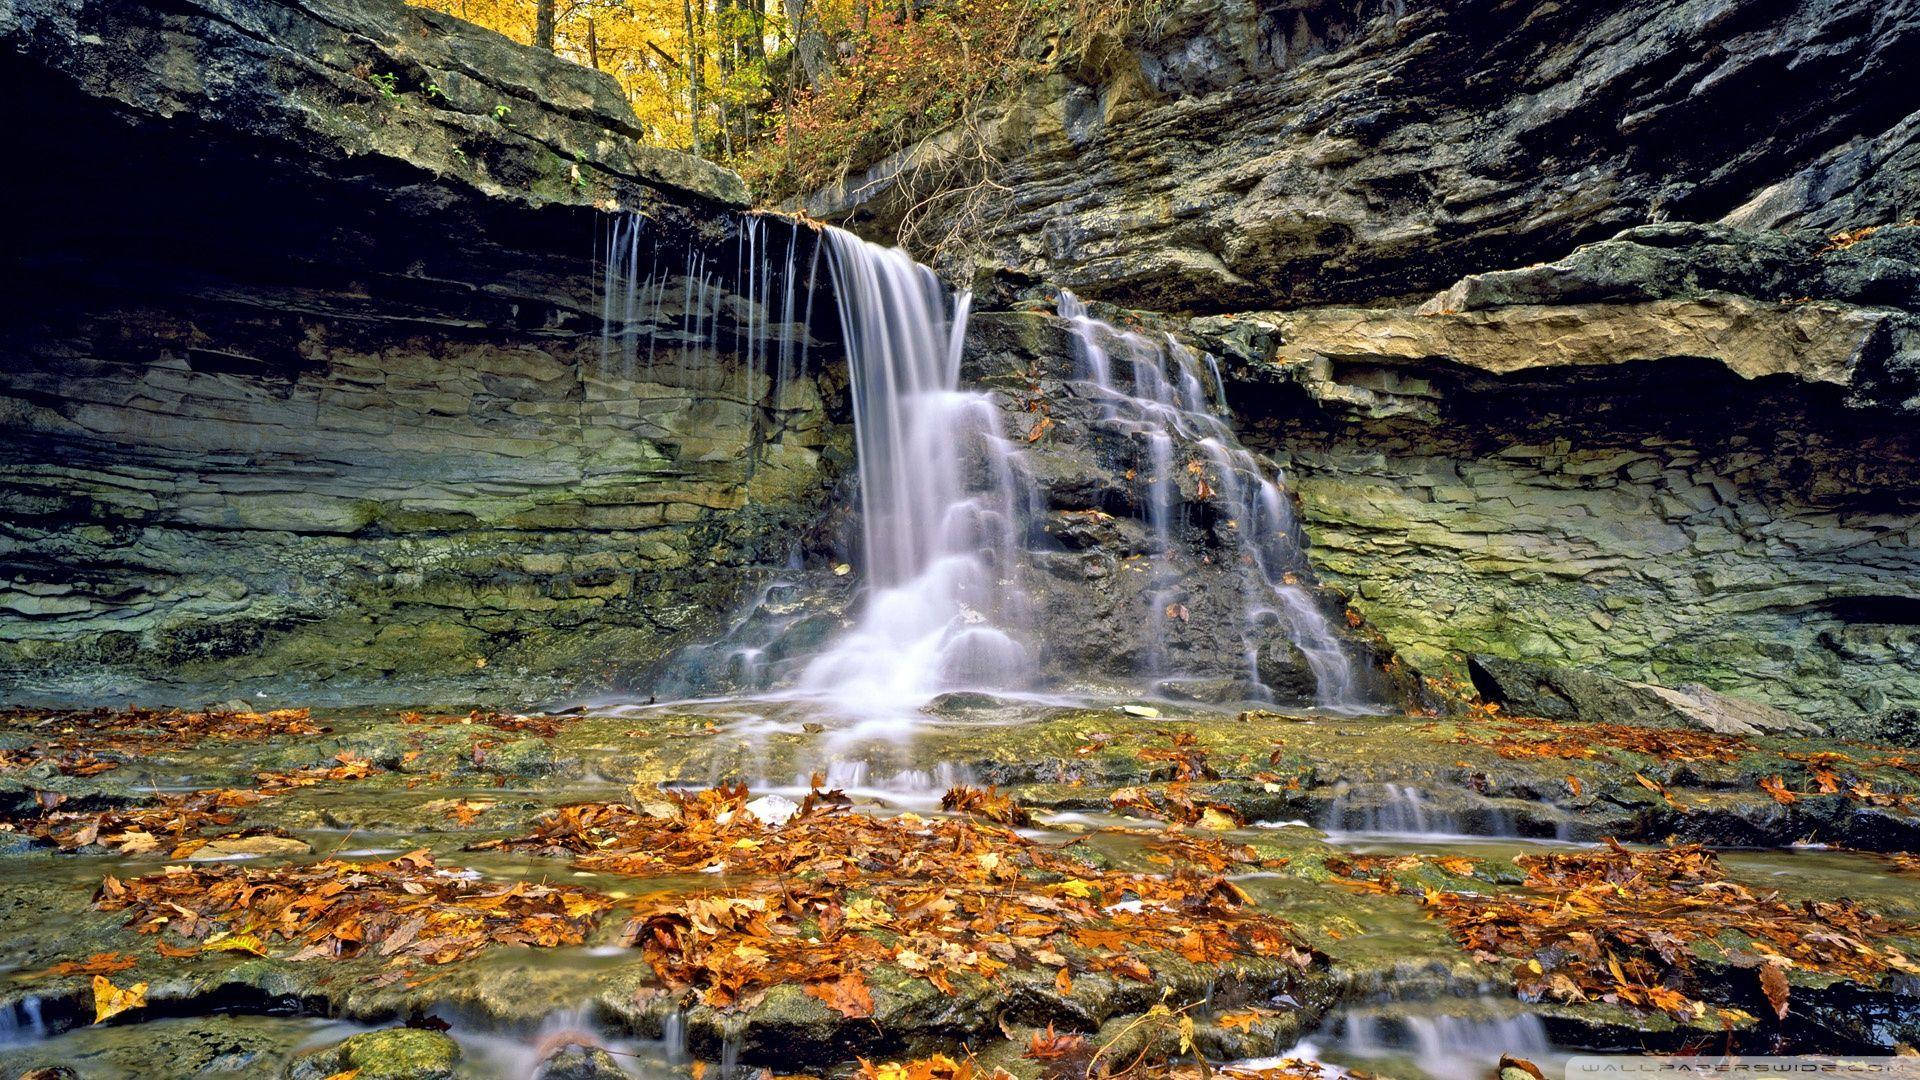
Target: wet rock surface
point(1138, 566)
point(1677, 456)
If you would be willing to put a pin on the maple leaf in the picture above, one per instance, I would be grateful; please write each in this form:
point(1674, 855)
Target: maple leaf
point(1242, 1021)
point(1776, 787)
point(847, 995)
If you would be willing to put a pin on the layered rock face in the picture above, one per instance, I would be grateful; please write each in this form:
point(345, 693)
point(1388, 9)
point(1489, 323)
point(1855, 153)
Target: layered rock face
point(1618, 462)
point(1151, 557)
point(1234, 154)
point(306, 378)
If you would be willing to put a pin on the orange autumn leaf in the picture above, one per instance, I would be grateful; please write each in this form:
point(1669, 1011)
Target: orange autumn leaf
point(1776, 787)
point(106, 963)
point(847, 995)
point(1773, 983)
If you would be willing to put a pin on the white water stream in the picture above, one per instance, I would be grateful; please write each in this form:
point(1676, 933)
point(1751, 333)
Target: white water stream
point(1167, 403)
point(942, 500)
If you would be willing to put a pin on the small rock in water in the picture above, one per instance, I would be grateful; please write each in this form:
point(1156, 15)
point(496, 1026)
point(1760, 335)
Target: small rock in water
point(773, 810)
point(576, 1062)
point(227, 847)
point(390, 1054)
point(1147, 711)
point(959, 701)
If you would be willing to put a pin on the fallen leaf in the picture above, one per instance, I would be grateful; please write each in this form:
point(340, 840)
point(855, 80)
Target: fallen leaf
point(1773, 983)
point(110, 1001)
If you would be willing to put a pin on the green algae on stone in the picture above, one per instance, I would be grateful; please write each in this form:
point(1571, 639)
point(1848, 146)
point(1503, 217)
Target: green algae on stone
point(393, 1054)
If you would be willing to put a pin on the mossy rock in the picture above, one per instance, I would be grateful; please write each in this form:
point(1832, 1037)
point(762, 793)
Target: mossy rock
point(392, 1054)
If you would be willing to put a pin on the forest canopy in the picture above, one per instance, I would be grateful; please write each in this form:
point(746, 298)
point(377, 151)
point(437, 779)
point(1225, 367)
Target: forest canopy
point(792, 92)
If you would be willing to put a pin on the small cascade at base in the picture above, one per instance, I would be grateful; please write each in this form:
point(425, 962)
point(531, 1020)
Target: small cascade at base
point(1442, 1047)
point(1402, 811)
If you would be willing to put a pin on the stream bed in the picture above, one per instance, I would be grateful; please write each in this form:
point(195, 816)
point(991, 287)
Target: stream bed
point(1332, 825)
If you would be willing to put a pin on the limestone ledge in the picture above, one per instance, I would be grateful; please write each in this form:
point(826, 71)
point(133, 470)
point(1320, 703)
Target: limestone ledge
point(1814, 341)
point(468, 106)
point(408, 508)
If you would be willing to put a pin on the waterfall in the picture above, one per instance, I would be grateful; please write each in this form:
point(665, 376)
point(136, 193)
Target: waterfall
point(942, 498)
point(649, 300)
point(1169, 405)
point(947, 503)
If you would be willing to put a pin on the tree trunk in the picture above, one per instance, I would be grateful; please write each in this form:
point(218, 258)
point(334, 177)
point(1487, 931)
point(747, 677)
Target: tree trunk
point(593, 47)
point(693, 75)
point(543, 25)
point(809, 44)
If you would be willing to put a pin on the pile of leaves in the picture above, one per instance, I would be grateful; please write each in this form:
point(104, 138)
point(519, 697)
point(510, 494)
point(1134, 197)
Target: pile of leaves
point(65, 762)
point(544, 726)
point(1183, 755)
point(1177, 847)
point(1380, 873)
point(1824, 773)
point(829, 894)
point(174, 826)
point(351, 767)
point(405, 908)
point(1537, 738)
point(138, 730)
point(1622, 927)
point(985, 803)
point(1073, 1057)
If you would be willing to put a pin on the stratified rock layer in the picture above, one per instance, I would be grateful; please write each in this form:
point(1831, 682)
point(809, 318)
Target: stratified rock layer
point(306, 379)
point(1683, 455)
point(1233, 155)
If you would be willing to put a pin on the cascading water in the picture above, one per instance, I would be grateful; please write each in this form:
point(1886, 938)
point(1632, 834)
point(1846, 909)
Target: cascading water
point(942, 499)
point(1443, 1047)
point(1168, 406)
point(947, 504)
point(1405, 812)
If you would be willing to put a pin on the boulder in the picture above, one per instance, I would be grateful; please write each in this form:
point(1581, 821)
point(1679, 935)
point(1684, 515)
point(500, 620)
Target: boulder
point(576, 1062)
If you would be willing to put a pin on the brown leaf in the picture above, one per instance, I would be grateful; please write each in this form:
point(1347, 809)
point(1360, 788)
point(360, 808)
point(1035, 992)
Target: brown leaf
point(1773, 983)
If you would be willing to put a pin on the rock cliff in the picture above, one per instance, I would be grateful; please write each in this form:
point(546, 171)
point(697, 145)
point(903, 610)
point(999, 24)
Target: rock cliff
point(1546, 308)
point(1238, 154)
point(305, 377)
point(1639, 459)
